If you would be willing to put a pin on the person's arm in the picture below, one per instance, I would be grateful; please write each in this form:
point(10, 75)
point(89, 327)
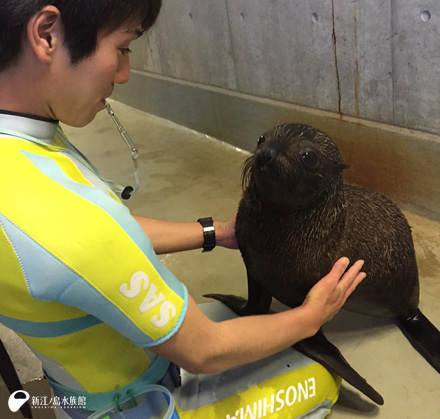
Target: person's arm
point(172, 236)
point(204, 346)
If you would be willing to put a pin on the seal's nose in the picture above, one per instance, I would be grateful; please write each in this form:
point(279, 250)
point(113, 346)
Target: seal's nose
point(266, 157)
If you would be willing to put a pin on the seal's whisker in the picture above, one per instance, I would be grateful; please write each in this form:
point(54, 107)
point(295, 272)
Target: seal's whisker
point(247, 172)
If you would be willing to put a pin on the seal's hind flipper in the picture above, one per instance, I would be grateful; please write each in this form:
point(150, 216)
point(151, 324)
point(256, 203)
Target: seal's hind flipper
point(423, 335)
point(258, 302)
point(321, 350)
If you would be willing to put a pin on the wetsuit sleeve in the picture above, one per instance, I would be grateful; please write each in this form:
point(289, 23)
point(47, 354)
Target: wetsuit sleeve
point(80, 247)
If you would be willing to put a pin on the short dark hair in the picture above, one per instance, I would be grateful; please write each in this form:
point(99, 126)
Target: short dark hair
point(82, 21)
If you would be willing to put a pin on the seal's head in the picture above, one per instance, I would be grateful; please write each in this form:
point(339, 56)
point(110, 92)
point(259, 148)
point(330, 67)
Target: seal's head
point(293, 166)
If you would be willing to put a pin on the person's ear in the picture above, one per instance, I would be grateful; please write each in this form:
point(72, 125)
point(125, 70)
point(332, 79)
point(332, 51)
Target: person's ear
point(44, 32)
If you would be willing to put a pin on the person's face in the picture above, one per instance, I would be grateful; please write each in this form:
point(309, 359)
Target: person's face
point(80, 90)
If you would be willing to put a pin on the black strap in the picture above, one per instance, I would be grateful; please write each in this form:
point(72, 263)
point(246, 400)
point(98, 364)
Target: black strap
point(208, 233)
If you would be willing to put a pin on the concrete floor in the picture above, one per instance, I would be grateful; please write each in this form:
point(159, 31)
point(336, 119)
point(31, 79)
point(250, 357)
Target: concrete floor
point(186, 175)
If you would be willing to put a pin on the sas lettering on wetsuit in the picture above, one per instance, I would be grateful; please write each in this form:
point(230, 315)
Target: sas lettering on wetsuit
point(167, 309)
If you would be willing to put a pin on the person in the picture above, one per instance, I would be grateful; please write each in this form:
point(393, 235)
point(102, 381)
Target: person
point(80, 281)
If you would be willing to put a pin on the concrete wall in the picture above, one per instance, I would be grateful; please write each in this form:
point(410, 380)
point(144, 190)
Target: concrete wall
point(367, 72)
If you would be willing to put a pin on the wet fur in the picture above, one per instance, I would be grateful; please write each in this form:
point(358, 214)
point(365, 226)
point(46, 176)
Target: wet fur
point(293, 223)
point(297, 217)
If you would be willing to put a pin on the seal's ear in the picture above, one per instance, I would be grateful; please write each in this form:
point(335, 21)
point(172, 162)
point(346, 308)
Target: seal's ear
point(343, 166)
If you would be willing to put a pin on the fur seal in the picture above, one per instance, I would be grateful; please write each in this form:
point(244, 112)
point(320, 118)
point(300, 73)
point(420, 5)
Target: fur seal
point(297, 217)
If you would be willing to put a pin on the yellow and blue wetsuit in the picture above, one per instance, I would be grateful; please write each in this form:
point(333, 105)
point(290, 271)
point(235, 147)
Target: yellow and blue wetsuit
point(79, 279)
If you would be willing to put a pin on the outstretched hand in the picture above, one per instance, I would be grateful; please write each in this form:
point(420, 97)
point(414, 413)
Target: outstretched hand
point(328, 296)
point(225, 233)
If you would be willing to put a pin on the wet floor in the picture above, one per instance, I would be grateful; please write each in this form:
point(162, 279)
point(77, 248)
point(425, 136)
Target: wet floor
point(186, 175)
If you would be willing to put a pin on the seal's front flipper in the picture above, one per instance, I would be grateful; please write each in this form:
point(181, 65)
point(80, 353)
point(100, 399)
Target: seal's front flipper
point(423, 335)
point(321, 350)
point(258, 302)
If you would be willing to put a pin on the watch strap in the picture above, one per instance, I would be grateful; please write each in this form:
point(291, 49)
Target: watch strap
point(208, 233)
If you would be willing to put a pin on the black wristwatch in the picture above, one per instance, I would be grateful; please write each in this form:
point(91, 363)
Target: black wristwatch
point(208, 233)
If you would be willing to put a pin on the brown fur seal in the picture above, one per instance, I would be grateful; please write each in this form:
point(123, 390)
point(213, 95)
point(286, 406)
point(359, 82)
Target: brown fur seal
point(297, 217)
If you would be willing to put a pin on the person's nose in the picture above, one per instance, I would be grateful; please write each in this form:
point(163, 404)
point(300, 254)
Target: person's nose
point(123, 73)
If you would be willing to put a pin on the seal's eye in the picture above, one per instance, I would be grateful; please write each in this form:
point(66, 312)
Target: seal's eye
point(310, 159)
point(261, 140)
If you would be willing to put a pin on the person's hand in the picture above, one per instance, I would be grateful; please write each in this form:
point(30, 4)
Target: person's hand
point(327, 297)
point(225, 233)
